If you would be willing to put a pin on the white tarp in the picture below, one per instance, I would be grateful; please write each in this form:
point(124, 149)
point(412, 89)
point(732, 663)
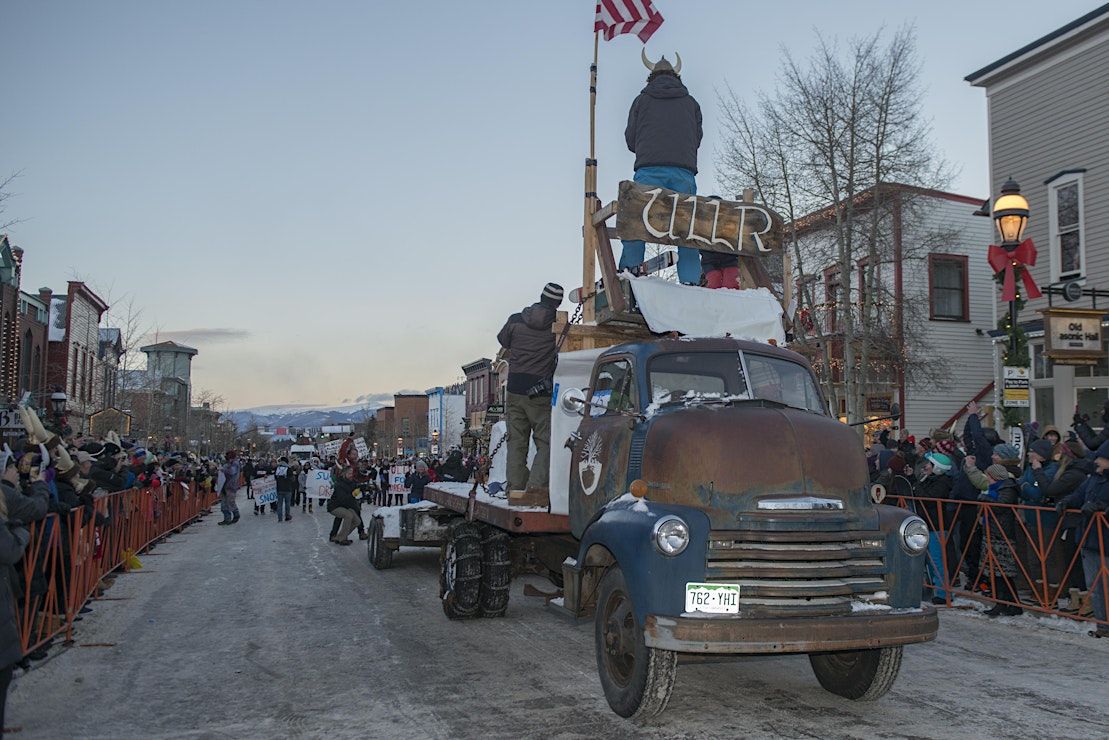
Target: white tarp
point(700, 312)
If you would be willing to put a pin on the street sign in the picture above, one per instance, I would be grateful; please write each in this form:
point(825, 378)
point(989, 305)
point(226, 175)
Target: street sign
point(1015, 387)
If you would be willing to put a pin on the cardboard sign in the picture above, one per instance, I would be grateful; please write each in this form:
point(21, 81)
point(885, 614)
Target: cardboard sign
point(265, 490)
point(318, 484)
point(360, 446)
point(661, 216)
point(1015, 388)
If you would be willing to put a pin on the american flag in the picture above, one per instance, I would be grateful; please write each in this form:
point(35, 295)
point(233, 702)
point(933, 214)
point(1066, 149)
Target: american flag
point(615, 17)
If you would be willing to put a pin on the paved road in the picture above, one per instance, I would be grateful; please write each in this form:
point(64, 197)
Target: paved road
point(267, 630)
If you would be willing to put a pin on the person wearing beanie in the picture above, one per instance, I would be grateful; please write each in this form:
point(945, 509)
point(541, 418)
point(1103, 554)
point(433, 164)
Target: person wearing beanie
point(1009, 456)
point(1092, 499)
point(1037, 476)
point(935, 483)
point(1002, 529)
point(529, 344)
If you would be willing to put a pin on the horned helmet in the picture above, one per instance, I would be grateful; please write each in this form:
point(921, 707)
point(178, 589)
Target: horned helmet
point(663, 64)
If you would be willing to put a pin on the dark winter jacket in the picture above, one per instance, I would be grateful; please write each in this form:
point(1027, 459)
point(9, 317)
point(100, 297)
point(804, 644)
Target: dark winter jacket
point(13, 541)
point(974, 439)
point(1091, 497)
point(343, 495)
point(933, 486)
point(1034, 483)
point(1089, 437)
point(664, 125)
point(531, 347)
point(107, 478)
point(286, 478)
point(1068, 481)
point(419, 481)
point(26, 505)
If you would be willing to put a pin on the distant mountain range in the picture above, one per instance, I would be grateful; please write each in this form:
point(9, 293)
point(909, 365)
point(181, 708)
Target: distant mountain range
point(300, 415)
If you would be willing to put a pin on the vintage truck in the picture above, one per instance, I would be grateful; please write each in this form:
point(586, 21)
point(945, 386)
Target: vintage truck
point(702, 501)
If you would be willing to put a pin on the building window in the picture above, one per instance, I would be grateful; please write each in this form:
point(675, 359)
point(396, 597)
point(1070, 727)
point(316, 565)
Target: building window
point(1044, 405)
point(1099, 369)
point(1042, 365)
point(1068, 242)
point(948, 289)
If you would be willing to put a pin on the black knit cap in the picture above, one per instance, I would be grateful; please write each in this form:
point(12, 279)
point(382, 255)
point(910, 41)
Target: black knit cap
point(552, 293)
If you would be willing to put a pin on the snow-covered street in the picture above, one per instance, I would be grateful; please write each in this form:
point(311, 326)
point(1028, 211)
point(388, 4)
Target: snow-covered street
point(264, 629)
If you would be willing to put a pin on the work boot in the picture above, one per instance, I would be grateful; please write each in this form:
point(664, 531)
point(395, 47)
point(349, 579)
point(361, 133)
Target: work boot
point(288, 517)
point(998, 610)
point(1013, 611)
point(235, 519)
point(225, 521)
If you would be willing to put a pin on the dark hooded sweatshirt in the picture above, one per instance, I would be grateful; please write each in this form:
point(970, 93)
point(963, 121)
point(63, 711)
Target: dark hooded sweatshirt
point(664, 125)
point(531, 347)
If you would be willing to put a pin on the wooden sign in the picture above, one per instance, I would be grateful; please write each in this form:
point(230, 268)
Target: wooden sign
point(661, 216)
point(1072, 336)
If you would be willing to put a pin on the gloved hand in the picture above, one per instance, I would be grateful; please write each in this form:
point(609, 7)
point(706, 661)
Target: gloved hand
point(1061, 507)
point(983, 497)
point(1092, 506)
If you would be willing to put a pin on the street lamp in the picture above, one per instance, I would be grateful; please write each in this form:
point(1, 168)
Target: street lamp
point(1010, 213)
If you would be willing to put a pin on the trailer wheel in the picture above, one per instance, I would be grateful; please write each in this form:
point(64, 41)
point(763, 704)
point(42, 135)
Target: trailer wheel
point(637, 680)
point(460, 570)
point(496, 573)
point(862, 675)
point(380, 556)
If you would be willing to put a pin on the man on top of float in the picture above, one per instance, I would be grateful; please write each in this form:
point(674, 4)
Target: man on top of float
point(664, 132)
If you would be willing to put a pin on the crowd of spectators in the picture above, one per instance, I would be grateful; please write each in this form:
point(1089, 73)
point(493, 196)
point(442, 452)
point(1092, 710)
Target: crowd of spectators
point(1058, 484)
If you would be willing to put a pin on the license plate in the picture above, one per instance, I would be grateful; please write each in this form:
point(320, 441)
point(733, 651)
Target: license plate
point(712, 598)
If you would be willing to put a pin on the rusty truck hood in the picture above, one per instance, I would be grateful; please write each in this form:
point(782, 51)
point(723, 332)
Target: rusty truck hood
point(726, 460)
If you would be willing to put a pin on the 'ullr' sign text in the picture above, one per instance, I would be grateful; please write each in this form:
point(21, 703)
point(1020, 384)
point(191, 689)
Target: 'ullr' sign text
point(661, 216)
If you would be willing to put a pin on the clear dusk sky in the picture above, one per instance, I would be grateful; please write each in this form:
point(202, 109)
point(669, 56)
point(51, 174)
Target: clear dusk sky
point(336, 199)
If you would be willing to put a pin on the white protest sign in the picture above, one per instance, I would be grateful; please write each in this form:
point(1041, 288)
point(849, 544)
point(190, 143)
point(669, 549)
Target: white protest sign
point(265, 490)
point(318, 484)
point(363, 450)
point(396, 477)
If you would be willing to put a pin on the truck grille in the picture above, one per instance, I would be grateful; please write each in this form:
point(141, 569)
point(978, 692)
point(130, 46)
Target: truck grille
point(792, 574)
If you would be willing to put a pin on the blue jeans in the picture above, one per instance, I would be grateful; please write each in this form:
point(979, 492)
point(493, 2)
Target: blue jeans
point(284, 504)
point(680, 180)
point(934, 564)
point(1091, 565)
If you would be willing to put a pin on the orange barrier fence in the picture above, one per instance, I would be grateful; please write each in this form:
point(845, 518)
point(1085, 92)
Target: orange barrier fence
point(1015, 555)
point(67, 557)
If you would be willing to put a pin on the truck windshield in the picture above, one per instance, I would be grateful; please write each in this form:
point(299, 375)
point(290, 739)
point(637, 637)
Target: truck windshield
point(698, 377)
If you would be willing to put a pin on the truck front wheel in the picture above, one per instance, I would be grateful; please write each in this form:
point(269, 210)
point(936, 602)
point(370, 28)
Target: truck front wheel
point(862, 675)
point(637, 680)
point(460, 570)
point(380, 556)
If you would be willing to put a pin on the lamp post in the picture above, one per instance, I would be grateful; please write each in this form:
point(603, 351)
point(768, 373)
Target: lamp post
point(58, 402)
point(1010, 213)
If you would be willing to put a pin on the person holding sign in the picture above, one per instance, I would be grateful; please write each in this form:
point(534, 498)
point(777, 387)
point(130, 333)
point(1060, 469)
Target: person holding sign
point(664, 132)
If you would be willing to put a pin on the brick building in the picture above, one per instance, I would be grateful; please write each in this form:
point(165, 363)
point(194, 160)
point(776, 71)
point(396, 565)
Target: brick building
point(385, 439)
point(410, 423)
point(482, 389)
point(73, 362)
point(33, 347)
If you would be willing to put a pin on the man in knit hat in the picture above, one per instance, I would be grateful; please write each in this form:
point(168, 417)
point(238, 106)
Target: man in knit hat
point(532, 353)
point(935, 485)
point(1002, 528)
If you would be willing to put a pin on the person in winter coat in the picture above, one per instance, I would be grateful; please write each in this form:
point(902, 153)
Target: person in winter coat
point(228, 486)
point(343, 505)
point(1092, 497)
point(286, 478)
point(1038, 474)
point(1000, 524)
point(664, 131)
point(965, 532)
point(532, 354)
point(1092, 440)
point(419, 480)
point(13, 541)
point(935, 483)
point(1008, 456)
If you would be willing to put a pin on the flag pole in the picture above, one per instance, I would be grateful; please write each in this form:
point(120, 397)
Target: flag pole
point(589, 248)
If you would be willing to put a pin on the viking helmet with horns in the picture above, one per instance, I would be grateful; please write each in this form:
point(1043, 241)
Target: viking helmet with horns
point(662, 65)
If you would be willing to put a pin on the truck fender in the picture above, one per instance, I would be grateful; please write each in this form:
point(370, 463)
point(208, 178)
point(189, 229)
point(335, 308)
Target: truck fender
point(622, 534)
point(904, 572)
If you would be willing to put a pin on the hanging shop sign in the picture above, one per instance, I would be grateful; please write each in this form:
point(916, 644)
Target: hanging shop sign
point(1072, 336)
point(1015, 387)
point(879, 404)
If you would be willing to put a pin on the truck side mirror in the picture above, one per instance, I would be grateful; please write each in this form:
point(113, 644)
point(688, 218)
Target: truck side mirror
point(573, 401)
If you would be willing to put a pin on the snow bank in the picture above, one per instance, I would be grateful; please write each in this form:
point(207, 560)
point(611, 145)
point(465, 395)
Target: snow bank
point(390, 517)
point(699, 312)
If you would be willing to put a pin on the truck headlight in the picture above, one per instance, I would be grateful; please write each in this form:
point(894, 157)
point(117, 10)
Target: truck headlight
point(914, 535)
point(671, 535)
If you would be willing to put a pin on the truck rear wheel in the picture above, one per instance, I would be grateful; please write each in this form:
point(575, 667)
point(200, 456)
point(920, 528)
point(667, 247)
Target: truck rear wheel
point(496, 573)
point(637, 680)
point(460, 570)
point(862, 675)
point(380, 556)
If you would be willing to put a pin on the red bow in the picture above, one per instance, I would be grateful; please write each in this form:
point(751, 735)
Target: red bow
point(1023, 256)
